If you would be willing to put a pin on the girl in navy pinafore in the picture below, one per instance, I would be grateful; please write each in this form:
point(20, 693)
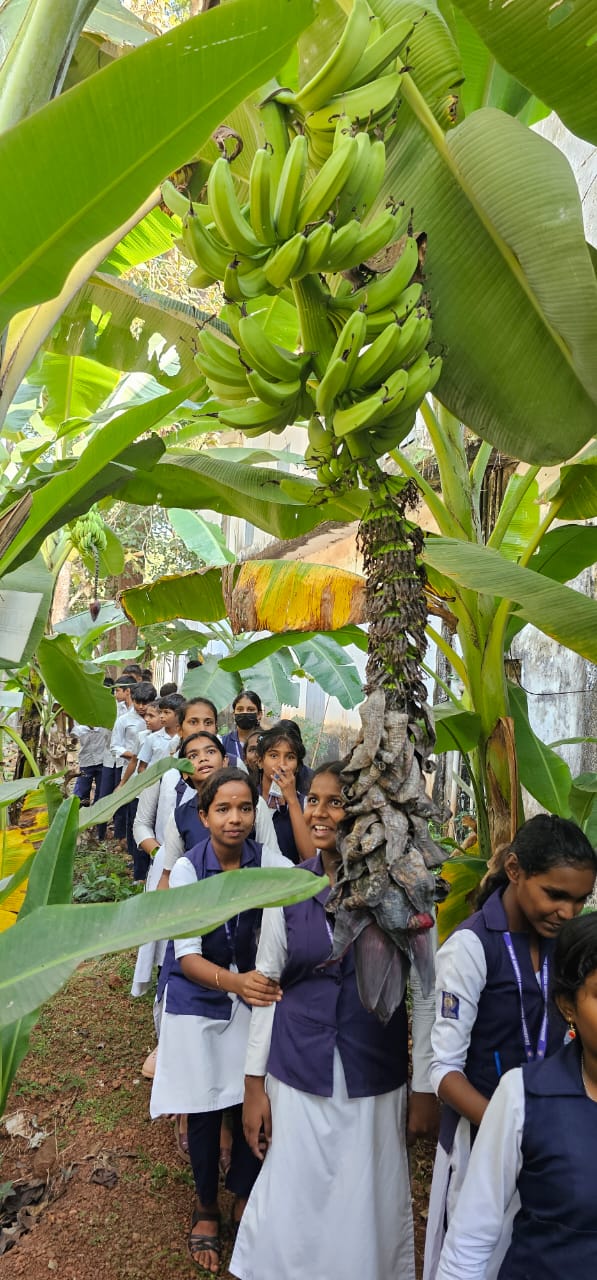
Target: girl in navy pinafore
point(493, 999)
point(538, 1138)
point(207, 986)
point(326, 1094)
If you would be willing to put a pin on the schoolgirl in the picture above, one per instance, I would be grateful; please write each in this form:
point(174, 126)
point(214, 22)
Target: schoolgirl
point(493, 992)
point(538, 1140)
point(206, 986)
point(280, 755)
point(248, 710)
point(184, 827)
point(326, 1094)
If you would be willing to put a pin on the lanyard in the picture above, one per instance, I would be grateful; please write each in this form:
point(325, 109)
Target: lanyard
point(542, 1041)
point(231, 928)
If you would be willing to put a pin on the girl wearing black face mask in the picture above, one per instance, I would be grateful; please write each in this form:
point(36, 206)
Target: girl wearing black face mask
point(248, 710)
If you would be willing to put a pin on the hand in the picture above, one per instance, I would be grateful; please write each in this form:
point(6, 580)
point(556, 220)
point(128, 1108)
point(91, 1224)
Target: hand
point(257, 1116)
point(286, 781)
point(422, 1117)
point(255, 989)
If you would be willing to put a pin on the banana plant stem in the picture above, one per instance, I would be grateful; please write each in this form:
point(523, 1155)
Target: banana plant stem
point(16, 737)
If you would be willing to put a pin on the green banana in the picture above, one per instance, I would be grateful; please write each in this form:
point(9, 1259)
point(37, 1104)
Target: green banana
point(377, 320)
point(202, 247)
point(316, 248)
point(382, 231)
point(175, 200)
point(262, 354)
point(394, 388)
point(385, 289)
point(422, 377)
point(321, 441)
point(328, 184)
point(273, 119)
point(331, 386)
point(256, 416)
point(379, 54)
point(349, 342)
point(279, 395)
point(285, 262)
point(253, 283)
point(414, 335)
point(200, 279)
point(349, 201)
point(360, 415)
point(219, 348)
point(341, 246)
point(369, 104)
point(290, 187)
point(260, 196)
point(332, 76)
point(360, 446)
point(228, 216)
point(319, 146)
point(378, 360)
point(226, 394)
point(215, 372)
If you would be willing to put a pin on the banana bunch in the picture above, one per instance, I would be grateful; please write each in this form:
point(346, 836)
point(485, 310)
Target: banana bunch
point(261, 387)
point(88, 533)
point(359, 80)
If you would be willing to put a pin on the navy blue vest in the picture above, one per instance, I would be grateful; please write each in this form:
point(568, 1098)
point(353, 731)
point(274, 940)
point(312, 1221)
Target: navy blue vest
point(555, 1231)
point(496, 1037)
point(232, 746)
point(189, 824)
point(321, 1010)
point(234, 942)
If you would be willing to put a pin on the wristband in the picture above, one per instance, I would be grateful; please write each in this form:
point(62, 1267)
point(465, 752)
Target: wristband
point(218, 980)
point(154, 851)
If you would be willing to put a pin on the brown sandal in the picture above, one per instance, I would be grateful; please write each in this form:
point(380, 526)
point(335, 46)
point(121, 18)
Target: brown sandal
point(202, 1243)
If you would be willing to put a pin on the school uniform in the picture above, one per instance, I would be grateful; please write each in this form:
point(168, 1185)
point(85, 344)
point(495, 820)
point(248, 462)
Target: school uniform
point(149, 824)
point(333, 1195)
point(204, 1032)
point(538, 1138)
point(234, 749)
point(109, 779)
point(184, 829)
point(479, 1030)
point(92, 745)
point(156, 746)
point(283, 829)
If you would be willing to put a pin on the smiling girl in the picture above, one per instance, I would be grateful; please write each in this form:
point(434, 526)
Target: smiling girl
point(493, 989)
point(326, 1098)
point(207, 985)
point(538, 1139)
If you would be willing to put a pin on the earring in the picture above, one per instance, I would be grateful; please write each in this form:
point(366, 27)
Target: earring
point(571, 1031)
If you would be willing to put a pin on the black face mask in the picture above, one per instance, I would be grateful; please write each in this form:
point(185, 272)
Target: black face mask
point(246, 719)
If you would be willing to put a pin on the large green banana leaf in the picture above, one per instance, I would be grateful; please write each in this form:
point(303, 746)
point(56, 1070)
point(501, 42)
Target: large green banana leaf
point(486, 84)
point(328, 664)
point(272, 680)
point(542, 771)
point(27, 612)
point(284, 505)
point(517, 324)
point(101, 147)
point(550, 48)
point(108, 443)
point(77, 686)
point(40, 953)
point(209, 681)
point(73, 386)
point(196, 595)
point(257, 650)
point(574, 493)
point(566, 615)
point(203, 537)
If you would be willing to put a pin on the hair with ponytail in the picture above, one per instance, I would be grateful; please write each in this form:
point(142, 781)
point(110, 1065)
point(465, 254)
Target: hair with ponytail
point(543, 842)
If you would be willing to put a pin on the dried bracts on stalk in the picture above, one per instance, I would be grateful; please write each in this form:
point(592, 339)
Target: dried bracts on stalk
point(384, 897)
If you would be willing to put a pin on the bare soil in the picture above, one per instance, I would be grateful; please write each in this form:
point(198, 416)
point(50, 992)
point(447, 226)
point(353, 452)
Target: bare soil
point(115, 1197)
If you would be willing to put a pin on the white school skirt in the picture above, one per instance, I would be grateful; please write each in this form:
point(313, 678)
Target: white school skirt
point(448, 1176)
point(332, 1201)
point(201, 1061)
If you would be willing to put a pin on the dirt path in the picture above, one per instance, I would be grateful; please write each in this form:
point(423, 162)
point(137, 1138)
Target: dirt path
point(116, 1198)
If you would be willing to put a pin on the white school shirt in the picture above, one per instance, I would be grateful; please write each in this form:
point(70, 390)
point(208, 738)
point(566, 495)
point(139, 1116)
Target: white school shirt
point(184, 873)
point(125, 735)
point(156, 804)
point(92, 744)
point(157, 745)
point(460, 970)
point(272, 954)
point(265, 834)
point(489, 1185)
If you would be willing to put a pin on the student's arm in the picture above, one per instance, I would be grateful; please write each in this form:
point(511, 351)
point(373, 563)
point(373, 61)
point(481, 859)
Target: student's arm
point(461, 974)
point(489, 1185)
point(144, 824)
point(252, 987)
point(423, 1107)
point(271, 958)
point(130, 768)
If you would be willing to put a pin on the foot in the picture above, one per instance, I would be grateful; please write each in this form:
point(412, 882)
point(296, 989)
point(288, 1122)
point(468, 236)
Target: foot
point(204, 1238)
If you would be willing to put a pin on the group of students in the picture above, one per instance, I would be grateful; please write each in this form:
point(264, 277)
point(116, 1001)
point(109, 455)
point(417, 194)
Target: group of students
point(260, 1033)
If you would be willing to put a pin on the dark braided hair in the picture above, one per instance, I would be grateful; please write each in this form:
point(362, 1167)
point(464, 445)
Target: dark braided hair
point(543, 842)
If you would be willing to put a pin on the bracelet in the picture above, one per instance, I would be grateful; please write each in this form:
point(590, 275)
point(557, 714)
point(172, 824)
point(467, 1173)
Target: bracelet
point(218, 979)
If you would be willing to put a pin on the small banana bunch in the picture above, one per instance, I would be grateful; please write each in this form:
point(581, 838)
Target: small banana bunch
point(289, 228)
point(88, 533)
point(260, 386)
point(377, 374)
point(359, 81)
